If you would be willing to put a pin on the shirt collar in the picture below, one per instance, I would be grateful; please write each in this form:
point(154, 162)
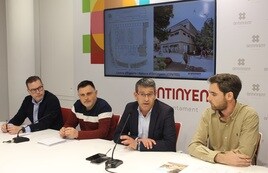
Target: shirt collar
point(232, 116)
point(140, 113)
point(36, 103)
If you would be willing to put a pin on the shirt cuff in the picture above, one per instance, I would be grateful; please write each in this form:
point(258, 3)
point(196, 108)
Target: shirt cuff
point(212, 156)
point(27, 129)
point(138, 143)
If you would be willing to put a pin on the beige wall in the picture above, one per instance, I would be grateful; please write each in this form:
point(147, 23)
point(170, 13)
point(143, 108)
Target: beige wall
point(3, 64)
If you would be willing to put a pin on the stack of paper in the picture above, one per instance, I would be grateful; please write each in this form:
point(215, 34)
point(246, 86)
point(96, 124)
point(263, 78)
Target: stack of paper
point(51, 141)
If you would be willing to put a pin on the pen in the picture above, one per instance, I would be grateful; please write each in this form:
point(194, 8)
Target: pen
point(6, 125)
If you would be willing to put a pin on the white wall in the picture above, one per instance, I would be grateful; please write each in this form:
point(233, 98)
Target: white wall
point(20, 49)
point(56, 31)
point(3, 64)
point(63, 64)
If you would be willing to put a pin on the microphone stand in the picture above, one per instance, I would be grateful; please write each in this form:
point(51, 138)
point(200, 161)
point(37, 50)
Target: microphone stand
point(20, 139)
point(113, 163)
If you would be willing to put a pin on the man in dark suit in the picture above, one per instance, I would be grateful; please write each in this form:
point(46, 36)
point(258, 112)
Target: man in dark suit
point(149, 123)
point(41, 107)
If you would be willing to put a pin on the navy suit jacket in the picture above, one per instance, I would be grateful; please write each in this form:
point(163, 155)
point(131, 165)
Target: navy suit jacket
point(161, 127)
point(49, 113)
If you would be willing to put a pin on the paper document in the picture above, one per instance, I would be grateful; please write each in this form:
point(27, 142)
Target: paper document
point(51, 141)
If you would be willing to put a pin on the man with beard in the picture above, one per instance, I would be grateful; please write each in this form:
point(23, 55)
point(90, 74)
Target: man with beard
point(93, 114)
point(228, 131)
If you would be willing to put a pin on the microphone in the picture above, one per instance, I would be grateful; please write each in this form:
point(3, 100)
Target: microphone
point(113, 163)
point(19, 139)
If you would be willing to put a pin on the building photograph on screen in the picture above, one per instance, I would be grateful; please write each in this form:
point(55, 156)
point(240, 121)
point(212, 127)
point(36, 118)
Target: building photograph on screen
point(165, 40)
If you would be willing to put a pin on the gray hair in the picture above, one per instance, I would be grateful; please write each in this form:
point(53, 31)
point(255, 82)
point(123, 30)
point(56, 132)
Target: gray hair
point(145, 82)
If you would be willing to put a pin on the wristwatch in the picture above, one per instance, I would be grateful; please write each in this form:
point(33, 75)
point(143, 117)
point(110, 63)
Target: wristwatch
point(23, 130)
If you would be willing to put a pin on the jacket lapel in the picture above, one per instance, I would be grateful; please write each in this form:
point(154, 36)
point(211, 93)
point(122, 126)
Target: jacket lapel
point(153, 119)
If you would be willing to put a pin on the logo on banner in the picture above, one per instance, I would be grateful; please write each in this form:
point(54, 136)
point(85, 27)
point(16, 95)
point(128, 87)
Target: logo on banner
point(255, 38)
point(183, 94)
point(241, 65)
point(242, 20)
point(193, 95)
point(255, 87)
point(241, 61)
point(256, 42)
point(256, 91)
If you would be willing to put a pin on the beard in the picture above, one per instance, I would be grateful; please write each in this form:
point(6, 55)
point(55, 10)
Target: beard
point(222, 106)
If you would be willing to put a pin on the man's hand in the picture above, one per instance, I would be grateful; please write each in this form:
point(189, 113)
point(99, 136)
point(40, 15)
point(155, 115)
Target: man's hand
point(62, 132)
point(132, 143)
point(128, 141)
point(233, 158)
point(68, 132)
point(4, 128)
point(147, 142)
point(12, 129)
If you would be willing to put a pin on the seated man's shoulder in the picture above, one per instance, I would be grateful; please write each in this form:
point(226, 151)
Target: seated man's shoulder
point(28, 98)
point(132, 105)
point(248, 110)
point(50, 95)
point(163, 105)
point(101, 103)
point(247, 107)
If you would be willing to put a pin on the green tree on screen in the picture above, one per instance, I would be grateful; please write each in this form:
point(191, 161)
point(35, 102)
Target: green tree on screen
point(162, 15)
point(204, 40)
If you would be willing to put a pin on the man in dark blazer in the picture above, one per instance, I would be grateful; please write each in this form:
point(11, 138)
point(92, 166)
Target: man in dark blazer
point(149, 123)
point(41, 107)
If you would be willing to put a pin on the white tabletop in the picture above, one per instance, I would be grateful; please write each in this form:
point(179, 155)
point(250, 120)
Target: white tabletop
point(69, 157)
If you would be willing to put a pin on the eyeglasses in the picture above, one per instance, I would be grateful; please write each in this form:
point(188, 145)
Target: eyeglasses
point(35, 90)
point(149, 95)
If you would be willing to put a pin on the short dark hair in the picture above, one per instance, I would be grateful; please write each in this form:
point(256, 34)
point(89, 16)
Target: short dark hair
point(85, 83)
point(32, 79)
point(145, 82)
point(227, 83)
